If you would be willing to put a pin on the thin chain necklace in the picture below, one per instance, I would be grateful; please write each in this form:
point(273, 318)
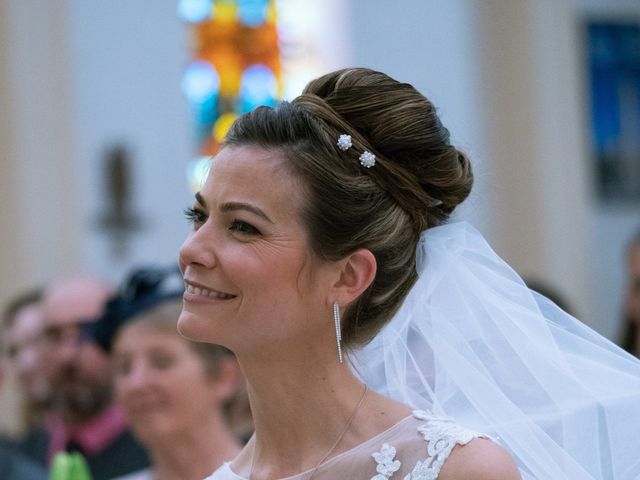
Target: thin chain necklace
point(333, 447)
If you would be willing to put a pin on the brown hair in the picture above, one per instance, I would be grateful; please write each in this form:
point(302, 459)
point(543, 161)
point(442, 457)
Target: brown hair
point(417, 181)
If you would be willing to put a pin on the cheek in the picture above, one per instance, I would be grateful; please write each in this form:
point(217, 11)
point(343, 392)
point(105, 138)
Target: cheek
point(28, 360)
point(94, 361)
point(121, 391)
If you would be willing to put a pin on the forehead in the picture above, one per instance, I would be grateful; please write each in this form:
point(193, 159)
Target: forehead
point(245, 173)
point(73, 303)
point(28, 321)
point(141, 336)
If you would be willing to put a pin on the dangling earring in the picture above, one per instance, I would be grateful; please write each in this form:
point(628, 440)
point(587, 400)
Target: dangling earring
point(336, 319)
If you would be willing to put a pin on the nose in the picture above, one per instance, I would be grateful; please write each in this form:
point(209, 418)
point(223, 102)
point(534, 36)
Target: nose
point(198, 249)
point(68, 350)
point(135, 380)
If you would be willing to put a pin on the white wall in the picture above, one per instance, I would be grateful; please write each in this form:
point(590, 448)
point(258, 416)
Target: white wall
point(38, 210)
point(128, 59)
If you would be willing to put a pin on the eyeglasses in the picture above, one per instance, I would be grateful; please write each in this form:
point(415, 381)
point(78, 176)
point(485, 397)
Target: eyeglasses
point(58, 335)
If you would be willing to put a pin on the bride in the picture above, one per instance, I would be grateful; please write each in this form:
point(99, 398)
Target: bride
point(367, 327)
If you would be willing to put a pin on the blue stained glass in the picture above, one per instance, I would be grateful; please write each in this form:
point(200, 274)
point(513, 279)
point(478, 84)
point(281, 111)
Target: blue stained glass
point(200, 83)
point(253, 13)
point(195, 11)
point(258, 87)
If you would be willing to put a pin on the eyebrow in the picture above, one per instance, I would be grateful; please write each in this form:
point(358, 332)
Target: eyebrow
point(232, 206)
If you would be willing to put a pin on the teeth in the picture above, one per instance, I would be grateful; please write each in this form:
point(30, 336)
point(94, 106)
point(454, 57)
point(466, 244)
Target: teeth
point(207, 293)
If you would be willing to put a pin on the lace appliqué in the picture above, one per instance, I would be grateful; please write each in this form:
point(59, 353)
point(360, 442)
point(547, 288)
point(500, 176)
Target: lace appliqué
point(387, 465)
point(441, 435)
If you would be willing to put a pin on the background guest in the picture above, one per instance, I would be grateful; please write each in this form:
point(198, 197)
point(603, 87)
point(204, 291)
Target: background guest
point(22, 342)
point(84, 417)
point(14, 465)
point(631, 336)
point(187, 435)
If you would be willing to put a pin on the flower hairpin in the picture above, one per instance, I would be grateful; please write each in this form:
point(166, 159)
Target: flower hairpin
point(367, 159)
point(344, 142)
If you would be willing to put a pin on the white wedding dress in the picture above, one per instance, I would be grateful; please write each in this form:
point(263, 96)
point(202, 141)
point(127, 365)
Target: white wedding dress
point(413, 449)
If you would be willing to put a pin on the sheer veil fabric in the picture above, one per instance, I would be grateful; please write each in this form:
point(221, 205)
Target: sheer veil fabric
point(472, 342)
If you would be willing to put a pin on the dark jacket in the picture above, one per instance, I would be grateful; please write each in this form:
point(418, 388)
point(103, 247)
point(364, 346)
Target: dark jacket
point(123, 455)
point(15, 466)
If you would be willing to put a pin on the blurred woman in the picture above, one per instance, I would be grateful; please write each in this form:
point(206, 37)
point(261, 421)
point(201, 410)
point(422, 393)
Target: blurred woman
point(175, 394)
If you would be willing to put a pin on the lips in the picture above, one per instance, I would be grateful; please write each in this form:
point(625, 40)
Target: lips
point(204, 292)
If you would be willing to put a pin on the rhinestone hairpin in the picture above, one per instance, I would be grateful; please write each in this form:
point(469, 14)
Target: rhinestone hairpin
point(367, 159)
point(344, 142)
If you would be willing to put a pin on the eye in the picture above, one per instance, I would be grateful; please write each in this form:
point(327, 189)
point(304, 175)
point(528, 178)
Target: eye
point(243, 228)
point(53, 335)
point(195, 216)
point(162, 361)
point(122, 367)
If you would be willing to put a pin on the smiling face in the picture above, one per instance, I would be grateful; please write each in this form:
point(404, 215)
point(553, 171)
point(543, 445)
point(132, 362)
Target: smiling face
point(152, 370)
point(252, 282)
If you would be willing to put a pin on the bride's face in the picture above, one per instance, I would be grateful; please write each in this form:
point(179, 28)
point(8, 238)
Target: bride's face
point(252, 282)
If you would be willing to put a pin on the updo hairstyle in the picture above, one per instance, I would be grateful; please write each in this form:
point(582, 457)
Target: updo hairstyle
point(417, 181)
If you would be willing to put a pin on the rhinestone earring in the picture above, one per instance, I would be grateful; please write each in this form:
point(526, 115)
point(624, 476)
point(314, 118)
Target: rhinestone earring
point(336, 319)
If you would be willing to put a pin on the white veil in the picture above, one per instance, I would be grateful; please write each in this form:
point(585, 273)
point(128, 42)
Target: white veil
point(472, 342)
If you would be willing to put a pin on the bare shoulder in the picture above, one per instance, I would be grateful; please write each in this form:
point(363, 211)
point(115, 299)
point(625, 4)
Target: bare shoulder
point(480, 459)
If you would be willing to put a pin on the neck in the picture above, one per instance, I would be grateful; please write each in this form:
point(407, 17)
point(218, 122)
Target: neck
point(194, 452)
point(300, 408)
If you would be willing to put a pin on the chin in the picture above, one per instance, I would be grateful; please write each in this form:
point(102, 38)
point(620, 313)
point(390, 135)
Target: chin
point(187, 323)
point(150, 432)
point(195, 327)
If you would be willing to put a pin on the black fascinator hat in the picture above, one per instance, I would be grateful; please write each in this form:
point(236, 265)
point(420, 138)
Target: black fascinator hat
point(143, 289)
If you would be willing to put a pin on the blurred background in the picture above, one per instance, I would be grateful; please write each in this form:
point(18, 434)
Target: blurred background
point(106, 109)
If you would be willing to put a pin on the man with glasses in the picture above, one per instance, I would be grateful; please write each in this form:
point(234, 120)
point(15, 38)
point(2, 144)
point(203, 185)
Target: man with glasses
point(83, 418)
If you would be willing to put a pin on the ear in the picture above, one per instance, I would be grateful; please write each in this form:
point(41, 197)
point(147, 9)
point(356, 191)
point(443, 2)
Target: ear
point(357, 272)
